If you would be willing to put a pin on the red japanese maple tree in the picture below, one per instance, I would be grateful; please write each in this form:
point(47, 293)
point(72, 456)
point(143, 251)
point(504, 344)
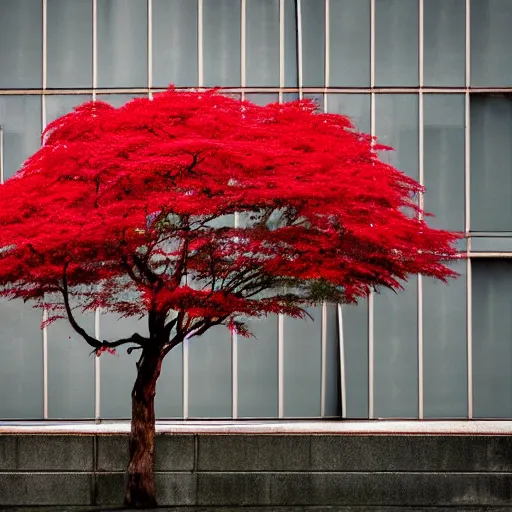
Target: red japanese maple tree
point(195, 209)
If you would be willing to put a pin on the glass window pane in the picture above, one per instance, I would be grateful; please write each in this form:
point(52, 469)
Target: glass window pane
point(118, 100)
point(444, 46)
point(491, 162)
point(313, 43)
point(221, 43)
point(354, 321)
point(262, 99)
point(444, 347)
point(69, 43)
point(257, 370)
point(169, 389)
point(70, 370)
point(118, 372)
point(332, 366)
point(21, 361)
point(21, 41)
point(396, 352)
point(443, 132)
point(174, 42)
point(396, 124)
point(491, 39)
point(290, 44)
point(20, 118)
point(302, 351)
point(355, 106)
point(59, 105)
point(122, 43)
point(396, 42)
point(492, 332)
point(262, 43)
point(209, 370)
point(349, 22)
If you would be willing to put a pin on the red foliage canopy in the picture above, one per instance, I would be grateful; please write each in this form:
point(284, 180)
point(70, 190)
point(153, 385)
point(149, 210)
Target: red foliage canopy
point(200, 206)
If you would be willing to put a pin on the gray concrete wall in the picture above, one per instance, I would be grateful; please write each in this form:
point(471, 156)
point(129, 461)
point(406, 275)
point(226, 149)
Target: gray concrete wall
point(350, 472)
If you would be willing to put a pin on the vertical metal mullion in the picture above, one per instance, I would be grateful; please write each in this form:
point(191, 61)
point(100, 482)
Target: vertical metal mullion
point(323, 363)
point(342, 363)
point(327, 49)
point(200, 63)
point(94, 48)
point(421, 203)
point(299, 48)
point(372, 44)
point(234, 375)
point(150, 47)
point(243, 43)
point(467, 226)
point(281, 50)
point(371, 373)
point(280, 366)
point(324, 305)
point(97, 312)
point(43, 124)
point(97, 376)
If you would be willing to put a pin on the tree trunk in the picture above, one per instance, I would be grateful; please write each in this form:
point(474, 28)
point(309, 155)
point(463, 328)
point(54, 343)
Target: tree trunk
point(140, 490)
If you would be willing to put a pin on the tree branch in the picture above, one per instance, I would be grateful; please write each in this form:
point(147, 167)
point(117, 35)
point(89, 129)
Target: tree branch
point(136, 338)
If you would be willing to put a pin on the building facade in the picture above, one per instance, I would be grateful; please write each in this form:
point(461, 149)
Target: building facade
point(432, 78)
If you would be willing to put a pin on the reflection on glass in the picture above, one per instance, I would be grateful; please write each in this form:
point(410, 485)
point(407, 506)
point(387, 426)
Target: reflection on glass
point(122, 43)
point(20, 44)
point(302, 352)
point(349, 54)
point(396, 125)
point(70, 370)
point(355, 106)
point(313, 43)
point(257, 370)
point(355, 342)
point(69, 43)
point(396, 42)
point(444, 347)
point(492, 331)
point(20, 118)
point(118, 372)
point(491, 39)
point(221, 43)
point(396, 352)
point(444, 46)
point(443, 133)
point(59, 105)
point(209, 370)
point(21, 361)
point(491, 162)
point(262, 43)
point(174, 42)
point(290, 44)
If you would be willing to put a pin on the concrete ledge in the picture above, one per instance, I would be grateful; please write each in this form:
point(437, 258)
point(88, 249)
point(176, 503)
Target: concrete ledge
point(172, 453)
point(350, 473)
point(46, 489)
point(398, 489)
point(320, 427)
point(354, 453)
point(46, 453)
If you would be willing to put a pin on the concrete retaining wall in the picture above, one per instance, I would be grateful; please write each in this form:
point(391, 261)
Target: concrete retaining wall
point(349, 472)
